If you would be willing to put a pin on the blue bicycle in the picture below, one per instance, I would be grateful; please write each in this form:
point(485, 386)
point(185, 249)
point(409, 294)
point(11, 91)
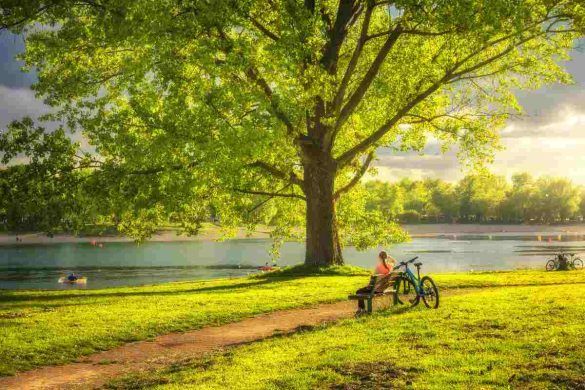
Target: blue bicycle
point(410, 288)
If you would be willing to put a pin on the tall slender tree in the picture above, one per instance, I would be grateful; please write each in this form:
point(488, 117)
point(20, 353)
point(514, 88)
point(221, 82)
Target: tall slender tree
point(225, 101)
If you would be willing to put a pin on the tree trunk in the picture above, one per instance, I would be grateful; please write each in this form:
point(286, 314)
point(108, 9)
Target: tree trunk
point(322, 242)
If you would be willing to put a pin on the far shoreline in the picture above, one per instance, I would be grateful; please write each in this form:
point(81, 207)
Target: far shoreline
point(415, 231)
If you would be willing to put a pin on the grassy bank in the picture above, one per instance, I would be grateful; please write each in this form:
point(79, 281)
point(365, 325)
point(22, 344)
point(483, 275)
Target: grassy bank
point(508, 337)
point(51, 327)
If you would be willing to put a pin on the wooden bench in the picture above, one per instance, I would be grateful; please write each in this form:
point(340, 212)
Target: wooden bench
point(369, 297)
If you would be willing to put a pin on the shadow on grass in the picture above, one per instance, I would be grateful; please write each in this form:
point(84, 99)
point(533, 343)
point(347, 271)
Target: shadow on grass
point(53, 298)
point(8, 297)
point(286, 274)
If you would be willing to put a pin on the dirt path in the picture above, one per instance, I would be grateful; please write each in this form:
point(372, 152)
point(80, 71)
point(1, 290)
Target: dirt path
point(97, 369)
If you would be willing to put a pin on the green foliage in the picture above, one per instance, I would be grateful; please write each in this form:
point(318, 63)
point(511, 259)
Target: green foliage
point(480, 197)
point(45, 193)
point(194, 106)
point(557, 199)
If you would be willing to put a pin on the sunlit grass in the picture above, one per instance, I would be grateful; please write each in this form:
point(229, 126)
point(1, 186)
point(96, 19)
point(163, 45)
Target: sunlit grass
point(511, 337)
point(51, 327)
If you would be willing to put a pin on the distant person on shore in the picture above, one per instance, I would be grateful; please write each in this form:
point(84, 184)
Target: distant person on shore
point(384, 267)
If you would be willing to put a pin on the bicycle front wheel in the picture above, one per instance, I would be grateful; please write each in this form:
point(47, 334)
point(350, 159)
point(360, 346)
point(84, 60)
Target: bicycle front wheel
point(430, 292)
point(406, 292)
point(551, 265)
point(578, 263)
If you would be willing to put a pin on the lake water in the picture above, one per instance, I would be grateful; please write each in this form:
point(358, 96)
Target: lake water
point(128, 264)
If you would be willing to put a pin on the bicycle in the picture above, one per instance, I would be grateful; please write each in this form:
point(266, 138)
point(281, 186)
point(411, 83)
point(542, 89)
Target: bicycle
point(576, 262)
point(410, 288)
point(561, 261)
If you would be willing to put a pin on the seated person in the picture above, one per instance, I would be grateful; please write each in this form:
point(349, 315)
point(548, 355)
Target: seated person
point(383, 270)
point(72, 277)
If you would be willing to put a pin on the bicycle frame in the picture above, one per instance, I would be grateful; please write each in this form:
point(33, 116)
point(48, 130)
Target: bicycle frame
point(415, 279)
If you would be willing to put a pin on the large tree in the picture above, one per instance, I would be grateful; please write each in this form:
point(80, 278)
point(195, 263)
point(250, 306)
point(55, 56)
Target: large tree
point(225, 101)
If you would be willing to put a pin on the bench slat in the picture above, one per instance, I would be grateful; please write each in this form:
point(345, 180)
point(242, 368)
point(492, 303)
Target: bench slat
point(368, 296)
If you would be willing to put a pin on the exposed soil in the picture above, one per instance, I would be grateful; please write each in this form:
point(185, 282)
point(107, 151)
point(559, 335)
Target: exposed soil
point(374, 376)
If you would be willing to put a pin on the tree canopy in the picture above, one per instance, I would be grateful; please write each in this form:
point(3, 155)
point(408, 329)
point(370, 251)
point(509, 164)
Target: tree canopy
point(276, 107)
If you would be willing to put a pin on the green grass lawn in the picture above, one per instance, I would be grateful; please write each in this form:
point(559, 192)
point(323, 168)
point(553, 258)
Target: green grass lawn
point(50, 327)
point(492, 338)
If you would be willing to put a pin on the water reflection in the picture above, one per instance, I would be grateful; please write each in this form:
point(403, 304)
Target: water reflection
point(119, 264)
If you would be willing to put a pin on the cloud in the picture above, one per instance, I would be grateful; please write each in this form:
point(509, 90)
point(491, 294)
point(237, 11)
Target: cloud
point(548, 144)
point(16, 103)
point(395, 166)
point(562, 121)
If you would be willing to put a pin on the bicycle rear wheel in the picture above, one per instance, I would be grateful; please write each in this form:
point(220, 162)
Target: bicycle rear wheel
point(578, 263)
point(551, 265)
point(430, 292)
point(406, 292)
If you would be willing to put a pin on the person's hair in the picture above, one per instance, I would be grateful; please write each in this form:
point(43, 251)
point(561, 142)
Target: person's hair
point(383, 256)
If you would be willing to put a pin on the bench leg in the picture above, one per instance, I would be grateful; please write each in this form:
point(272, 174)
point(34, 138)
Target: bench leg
point(369, 303)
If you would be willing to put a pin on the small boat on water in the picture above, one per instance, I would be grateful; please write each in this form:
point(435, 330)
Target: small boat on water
point(66, 280)
point(268, 268)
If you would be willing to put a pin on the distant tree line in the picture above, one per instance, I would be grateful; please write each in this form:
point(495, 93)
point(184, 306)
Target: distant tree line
point(479, 198)
point(90, 202)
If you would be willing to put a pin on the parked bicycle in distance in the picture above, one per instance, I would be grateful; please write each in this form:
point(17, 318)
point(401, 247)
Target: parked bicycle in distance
point(564, 261)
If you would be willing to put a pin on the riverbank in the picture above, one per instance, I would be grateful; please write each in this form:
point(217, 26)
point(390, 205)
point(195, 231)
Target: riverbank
point(209, 232)
point(40, 328)
point(213, 233)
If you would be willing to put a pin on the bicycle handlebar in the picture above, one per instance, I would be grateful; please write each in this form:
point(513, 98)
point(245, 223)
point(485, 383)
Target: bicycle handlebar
point(405, 263)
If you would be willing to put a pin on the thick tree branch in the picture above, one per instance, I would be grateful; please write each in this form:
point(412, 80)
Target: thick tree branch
point(97, 164)
point(262, 203)
point(484, 75)
point(357, 177)
point(271, 194)
point(253, 75)
point(411, 32)
point(492, 59)
point(371, 74)
point(450, 74)
point(26, 19)
point(264, 30)
point(382, 130)
point(337, 34)
point(294, 179)
point(354, 58)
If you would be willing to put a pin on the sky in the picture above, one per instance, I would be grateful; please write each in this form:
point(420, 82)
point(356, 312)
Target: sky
point(548, 140)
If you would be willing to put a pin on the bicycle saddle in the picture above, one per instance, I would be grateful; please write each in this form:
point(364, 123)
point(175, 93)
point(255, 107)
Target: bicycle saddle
point(417, 264)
